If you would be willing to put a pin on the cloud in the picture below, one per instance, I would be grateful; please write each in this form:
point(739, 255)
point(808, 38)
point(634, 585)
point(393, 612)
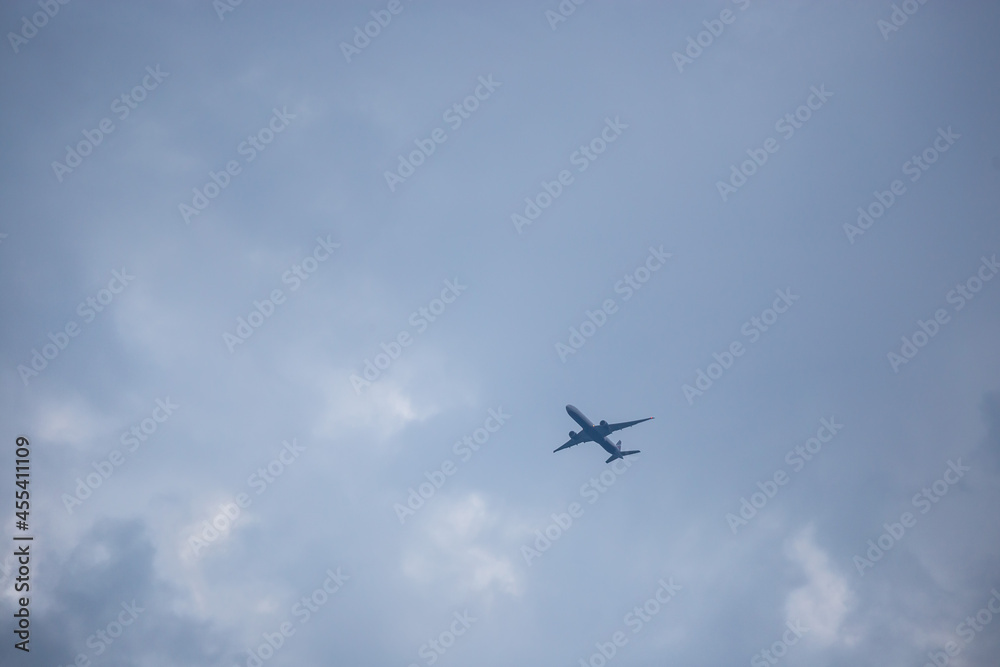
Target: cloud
point(462, 544)
point(826, 599)
point(71, 421)
point(381, 410)
point(104, 600)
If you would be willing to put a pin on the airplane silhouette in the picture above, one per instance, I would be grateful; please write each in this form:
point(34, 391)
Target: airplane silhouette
point(590, 433)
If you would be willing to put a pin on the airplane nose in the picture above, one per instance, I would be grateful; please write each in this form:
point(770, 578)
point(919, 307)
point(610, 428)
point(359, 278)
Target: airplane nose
point(570, 410)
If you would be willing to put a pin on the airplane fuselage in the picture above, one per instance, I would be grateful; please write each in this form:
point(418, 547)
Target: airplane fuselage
point(591, 431)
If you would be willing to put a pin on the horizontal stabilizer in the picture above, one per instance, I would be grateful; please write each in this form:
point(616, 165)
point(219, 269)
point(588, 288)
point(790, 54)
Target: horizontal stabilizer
point(621, 455)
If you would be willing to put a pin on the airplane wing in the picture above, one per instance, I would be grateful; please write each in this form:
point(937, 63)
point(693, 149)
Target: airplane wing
point(575, 440)
point(620, 425)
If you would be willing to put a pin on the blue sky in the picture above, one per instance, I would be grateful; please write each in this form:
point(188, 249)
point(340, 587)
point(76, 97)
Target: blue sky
point(214, 219)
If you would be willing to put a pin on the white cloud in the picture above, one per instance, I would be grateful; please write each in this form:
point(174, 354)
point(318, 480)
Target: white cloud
point(823, 602)
point(70, 421)
point(459, 545)
point(382, 409)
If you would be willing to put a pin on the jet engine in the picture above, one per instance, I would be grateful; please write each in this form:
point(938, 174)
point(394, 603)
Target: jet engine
point(604, 424)
point(572, 435)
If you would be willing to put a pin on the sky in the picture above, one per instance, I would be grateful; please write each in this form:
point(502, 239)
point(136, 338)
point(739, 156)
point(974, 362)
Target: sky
point(295, 296)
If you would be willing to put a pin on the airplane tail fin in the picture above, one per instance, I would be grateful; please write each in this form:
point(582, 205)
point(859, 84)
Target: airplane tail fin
point(622, 455)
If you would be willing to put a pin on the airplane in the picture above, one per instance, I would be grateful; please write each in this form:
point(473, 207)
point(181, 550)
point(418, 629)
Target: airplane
point(590, 433)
